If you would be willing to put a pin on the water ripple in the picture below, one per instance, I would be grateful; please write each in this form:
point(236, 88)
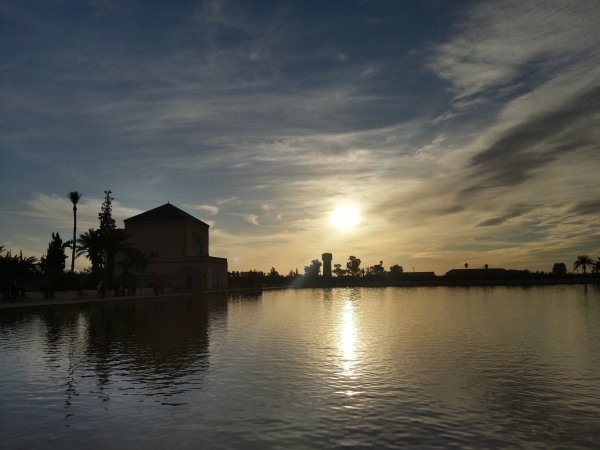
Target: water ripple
point(342, 368)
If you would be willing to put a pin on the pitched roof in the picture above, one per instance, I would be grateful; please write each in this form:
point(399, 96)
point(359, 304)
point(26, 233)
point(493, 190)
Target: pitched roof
point(164, 212)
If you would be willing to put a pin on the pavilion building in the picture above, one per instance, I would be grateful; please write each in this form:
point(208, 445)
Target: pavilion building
point(178, 244)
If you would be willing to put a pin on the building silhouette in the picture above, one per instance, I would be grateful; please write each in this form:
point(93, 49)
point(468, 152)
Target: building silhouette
point(178, 244)
point(327, 257)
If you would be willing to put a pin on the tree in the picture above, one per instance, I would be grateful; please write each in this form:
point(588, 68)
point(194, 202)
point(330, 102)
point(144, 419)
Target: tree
point(53, 263)
point(135, 260)
point(377, 269)
point(114, 241)
point(596, 267)
point(582, 261)
point(353, 265)
point(105, 215)
point(18, 265)
point(338, 271)
point(559, 269)
point(313, 270)
point(27, 264)
point(74, 196)
point(90, 244)
point(396, 270)
point(273, 278)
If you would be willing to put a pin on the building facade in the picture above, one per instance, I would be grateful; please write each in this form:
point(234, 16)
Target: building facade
point(178, 244)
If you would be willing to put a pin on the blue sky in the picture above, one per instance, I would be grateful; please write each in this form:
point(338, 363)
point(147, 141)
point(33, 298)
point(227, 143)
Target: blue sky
point(461, 131)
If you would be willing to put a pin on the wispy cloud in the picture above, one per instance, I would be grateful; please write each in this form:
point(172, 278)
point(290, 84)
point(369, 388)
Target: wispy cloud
point(250, 218)
point(503, 44)
point(540, 140)
point(211, 209)
point(476, 137)
point(227, 200)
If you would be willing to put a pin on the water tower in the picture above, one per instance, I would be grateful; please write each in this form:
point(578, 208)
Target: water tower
point(326, 257)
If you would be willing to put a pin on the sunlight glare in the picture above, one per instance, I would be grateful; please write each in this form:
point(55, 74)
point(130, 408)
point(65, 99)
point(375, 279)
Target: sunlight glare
point(345, 217)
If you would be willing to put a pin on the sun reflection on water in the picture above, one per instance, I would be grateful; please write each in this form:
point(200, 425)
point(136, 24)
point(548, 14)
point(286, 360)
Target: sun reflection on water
point(347, 343)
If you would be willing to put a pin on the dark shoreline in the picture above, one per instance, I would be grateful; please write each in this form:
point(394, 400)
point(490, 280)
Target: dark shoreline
point(320, 284)
point(442, 283)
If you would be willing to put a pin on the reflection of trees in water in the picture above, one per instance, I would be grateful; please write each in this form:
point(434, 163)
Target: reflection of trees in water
point(12, 323)
point(141, 348)
point(60, 339)
point(157, 346)
point(65, 340)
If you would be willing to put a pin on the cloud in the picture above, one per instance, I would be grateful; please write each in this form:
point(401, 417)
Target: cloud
point(250, 218)
point(227, 110)
point(515, 211)
point(56, 211)
point(501, 43)
point(212, 210)
point(228, 200)
point(520, 152)
point(588, 207)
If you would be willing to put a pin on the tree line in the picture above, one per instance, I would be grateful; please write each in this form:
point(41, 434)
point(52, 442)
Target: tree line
point(351, 271)
point(100, 246)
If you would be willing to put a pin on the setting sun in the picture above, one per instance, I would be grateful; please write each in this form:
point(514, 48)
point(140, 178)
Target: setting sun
point(345, 217)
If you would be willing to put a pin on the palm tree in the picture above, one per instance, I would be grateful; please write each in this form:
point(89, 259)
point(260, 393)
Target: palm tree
point(135, 260)
point(91, 245)
point(583, 261)
point(596, 266)
point(74, 196)
point(17, 265)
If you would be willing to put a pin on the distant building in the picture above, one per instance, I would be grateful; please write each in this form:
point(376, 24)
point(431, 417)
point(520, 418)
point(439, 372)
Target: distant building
point(327, 257)
point(178, 243)
point(476, 274)
point(419, 276)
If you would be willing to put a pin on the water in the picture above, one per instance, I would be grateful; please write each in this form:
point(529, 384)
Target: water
point(339, 368)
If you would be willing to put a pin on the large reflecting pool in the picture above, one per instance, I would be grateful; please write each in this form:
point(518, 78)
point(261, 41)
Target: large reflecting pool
point(338, 368)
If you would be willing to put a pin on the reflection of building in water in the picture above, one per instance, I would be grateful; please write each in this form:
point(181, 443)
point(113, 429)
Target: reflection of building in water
point(164, 345)
point(178, 244)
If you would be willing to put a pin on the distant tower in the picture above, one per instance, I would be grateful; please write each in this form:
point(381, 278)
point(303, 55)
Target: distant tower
point(327, 264)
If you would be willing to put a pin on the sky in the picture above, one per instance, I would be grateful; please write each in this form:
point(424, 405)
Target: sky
point(457, 132)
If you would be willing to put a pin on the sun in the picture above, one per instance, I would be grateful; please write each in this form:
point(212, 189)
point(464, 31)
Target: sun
point(345, 217)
